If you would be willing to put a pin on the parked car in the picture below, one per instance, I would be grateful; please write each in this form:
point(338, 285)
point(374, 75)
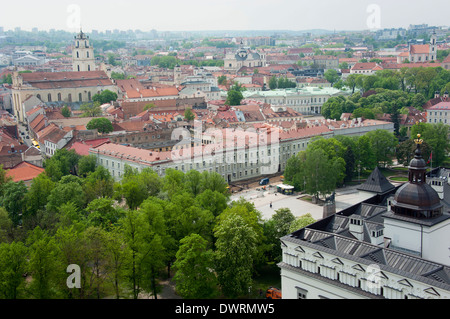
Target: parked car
point(273, 293)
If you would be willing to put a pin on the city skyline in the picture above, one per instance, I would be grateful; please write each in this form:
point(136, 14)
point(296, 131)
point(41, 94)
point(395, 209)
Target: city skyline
point(233, 15)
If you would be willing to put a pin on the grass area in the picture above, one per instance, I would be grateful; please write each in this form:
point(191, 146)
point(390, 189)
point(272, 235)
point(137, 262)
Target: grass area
point(268, 276)
point(402, 168)
point(399, 179)
point(306, 198)
point(387, 172)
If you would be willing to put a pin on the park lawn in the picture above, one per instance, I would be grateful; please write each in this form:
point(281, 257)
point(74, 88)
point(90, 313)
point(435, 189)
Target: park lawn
point(399, 179)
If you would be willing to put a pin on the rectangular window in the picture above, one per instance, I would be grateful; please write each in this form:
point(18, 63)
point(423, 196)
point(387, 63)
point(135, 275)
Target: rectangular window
point(301, 293)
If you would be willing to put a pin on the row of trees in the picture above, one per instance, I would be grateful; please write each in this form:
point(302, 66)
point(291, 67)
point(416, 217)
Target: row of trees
point(281, 83)
point(372, 104)
point(327, 163)
point(424, 80)
point(126, 235)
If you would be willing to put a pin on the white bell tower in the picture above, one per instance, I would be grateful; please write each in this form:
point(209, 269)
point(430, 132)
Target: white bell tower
point(82, 54)
point(433, 46)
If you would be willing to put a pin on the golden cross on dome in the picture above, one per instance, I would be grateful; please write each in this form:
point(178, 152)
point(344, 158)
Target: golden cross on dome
point(418, 140)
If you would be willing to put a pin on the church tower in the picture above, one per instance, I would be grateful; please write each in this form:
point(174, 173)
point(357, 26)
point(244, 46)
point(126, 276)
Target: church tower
point(177, 75)
point(433, 46)
point(82, 54)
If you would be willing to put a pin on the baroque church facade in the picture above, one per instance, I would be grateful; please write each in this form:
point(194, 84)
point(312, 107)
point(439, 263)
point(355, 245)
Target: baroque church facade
point(244, 58)
point(55, 89)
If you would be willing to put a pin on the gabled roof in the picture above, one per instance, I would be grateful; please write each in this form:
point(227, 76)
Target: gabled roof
point(420, 49)
point(376, 183)
point(24, 172)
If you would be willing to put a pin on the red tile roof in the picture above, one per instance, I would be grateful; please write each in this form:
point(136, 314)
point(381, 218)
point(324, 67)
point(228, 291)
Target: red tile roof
point(58, 80)
point(82, 148)
point(367, 66)
point(420, 49)
point(24, 172)
point(440, 106)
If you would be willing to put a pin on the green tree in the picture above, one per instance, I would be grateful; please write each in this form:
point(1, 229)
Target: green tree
point(405, 151)
point(193, 182)
point(43, 266)
point(331, 75)
point(65, 111)
point(63, 193)
point(103, 125)
point(3, 178)
point(131, 225)
point(102, 213)
point(273, 83)
point(105, 97)
point(13, 264)
point(222, 80)
point(189, 115)
point(118, 254)
point(134, 193)
point(91, 109)
point(194, 262)
point(383, 143)
point(212, 201)
point(13, 200)
point(275, 228)
point(96, 239)
point(234, 97)
point(364, 154)
point(62, 163)
point(213, 181)
point(98, 184)
point(301, 222)
point(72, 249)
point(320, 174)
point(87, 164)
point(436, 136)
point(37, 197)
point(6, 227)
point(234, 255)
point(153, 250)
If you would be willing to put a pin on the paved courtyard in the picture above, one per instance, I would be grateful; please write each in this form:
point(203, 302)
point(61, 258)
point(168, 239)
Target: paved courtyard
point(345, 197)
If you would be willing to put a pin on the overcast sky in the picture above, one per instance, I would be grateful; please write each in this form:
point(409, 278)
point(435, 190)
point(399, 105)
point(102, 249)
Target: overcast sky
point(191, 15)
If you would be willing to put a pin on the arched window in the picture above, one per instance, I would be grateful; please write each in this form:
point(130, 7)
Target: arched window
point(49, 97)
point(59, 97)
point(78, 54)
point(70, 98)
point(89, 67)
point(78, 68)
point(89, 96)
point(80, 97)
